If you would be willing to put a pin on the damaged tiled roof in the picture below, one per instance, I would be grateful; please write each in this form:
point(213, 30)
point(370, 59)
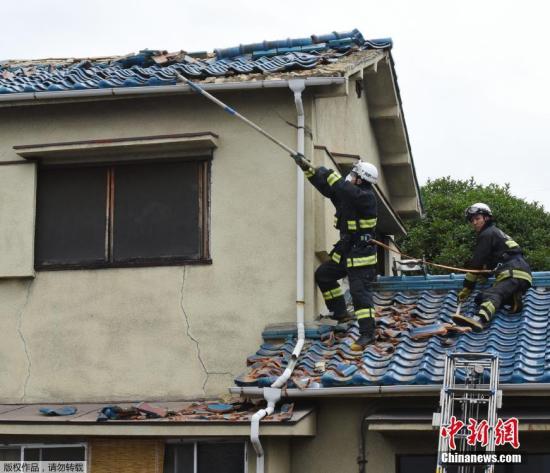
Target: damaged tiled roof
point(200, 411)
point(325, 55)
point(414, 333)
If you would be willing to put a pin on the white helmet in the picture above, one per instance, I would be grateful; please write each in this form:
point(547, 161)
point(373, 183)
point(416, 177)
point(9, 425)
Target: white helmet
point(477, 209)
point(366, 171)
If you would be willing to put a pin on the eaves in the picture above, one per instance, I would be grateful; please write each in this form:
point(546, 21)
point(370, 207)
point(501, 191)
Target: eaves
point(335, 74)
point(524, 389)
point(39, 98)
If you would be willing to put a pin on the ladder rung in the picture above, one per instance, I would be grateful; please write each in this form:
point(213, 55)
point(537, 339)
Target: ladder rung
point(469, 399)
point(471, 390)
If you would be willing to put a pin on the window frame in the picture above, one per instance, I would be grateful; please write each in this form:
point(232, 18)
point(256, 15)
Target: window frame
point(195, 443)
point(204, 163)
point(40, 446)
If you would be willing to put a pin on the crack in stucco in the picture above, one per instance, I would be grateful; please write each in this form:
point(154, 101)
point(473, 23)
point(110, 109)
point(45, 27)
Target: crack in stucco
point(194, 340)
point(22, 337)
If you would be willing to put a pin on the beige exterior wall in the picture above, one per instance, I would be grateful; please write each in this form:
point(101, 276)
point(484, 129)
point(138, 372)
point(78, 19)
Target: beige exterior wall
point(17, 212)
point(335, 448)
point(342, 125)
point(163, 332)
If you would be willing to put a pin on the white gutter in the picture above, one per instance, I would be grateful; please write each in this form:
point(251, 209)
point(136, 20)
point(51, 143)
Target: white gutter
point(530, 389)
point(273, 393)
point(27, 98)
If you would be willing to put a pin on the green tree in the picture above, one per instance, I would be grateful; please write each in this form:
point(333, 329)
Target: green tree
point(444, 236)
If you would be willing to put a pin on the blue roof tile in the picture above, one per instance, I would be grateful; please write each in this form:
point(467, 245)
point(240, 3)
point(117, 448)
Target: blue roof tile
point(155, 68)
point(407, 307)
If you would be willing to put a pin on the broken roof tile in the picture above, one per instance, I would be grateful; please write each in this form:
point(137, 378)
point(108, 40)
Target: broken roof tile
point(317, 55)
point(414, 333)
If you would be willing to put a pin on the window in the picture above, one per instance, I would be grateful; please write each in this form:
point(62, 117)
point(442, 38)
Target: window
point(205, 457)
point(122, 215)
point(43, 452)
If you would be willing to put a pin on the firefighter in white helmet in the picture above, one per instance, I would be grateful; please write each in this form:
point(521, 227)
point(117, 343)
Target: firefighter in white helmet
point(494, 251)
point(353, 255)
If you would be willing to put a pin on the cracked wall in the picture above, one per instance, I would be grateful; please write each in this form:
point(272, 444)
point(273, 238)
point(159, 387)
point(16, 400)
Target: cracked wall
point(163, 332)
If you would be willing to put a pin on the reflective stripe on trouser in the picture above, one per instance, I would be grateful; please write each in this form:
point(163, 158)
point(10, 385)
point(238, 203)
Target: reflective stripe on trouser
point(487, 310)
point(364, 313)
point(332, 293)
point(326, 277)
point(360, 279)
point(492, 299)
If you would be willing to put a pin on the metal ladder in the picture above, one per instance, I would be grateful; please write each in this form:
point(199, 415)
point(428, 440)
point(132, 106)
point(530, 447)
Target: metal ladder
point(470, 391)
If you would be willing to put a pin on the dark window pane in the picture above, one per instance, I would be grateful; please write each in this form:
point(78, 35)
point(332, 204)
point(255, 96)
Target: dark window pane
point(179, 458)
point(32, 454)
point(169, 459)
point(70, 225)
point(156, 211)
point(10, 454)
point(63, 454)
point(221, 457)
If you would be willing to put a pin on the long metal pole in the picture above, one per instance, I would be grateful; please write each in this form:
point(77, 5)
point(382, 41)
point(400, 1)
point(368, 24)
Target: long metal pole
point(233, 112)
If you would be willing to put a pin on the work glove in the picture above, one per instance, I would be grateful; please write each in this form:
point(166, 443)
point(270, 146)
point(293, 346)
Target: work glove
point(482, 279)
point(463, 294)
point(302, 162)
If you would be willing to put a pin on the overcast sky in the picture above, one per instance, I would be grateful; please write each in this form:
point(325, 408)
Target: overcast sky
point(473, 74)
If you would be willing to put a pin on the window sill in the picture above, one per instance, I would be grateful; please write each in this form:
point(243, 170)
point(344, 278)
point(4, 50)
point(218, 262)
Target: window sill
point(127, 264)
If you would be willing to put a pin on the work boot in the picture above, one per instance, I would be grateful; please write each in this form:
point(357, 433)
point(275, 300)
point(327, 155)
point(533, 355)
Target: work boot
point(366, 334)
point(343, 317)
point(517, 303)
point(477, 322)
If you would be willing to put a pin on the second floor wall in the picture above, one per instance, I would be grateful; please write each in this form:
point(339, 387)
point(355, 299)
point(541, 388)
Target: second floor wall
point(170, 331)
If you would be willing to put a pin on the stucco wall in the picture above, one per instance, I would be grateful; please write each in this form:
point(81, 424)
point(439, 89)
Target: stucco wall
point(165, 332)
point(342, 125)
point(17, 199)
point(335, 448)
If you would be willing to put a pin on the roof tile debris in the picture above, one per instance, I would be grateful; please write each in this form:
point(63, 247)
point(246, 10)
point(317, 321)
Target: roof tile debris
point(232, 411)
point(414, 332)
point(236, 410)
point(156, 68)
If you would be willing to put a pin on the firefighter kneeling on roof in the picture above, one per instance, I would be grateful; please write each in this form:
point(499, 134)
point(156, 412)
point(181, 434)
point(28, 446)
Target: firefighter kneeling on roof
point(494, 250)
point(352, 256)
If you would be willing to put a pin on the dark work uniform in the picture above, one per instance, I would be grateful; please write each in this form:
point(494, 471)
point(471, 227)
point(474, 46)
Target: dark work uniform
point(495, 249)
point(352, 255)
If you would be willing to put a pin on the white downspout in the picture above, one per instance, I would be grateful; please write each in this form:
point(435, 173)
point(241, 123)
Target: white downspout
point(273, 393)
